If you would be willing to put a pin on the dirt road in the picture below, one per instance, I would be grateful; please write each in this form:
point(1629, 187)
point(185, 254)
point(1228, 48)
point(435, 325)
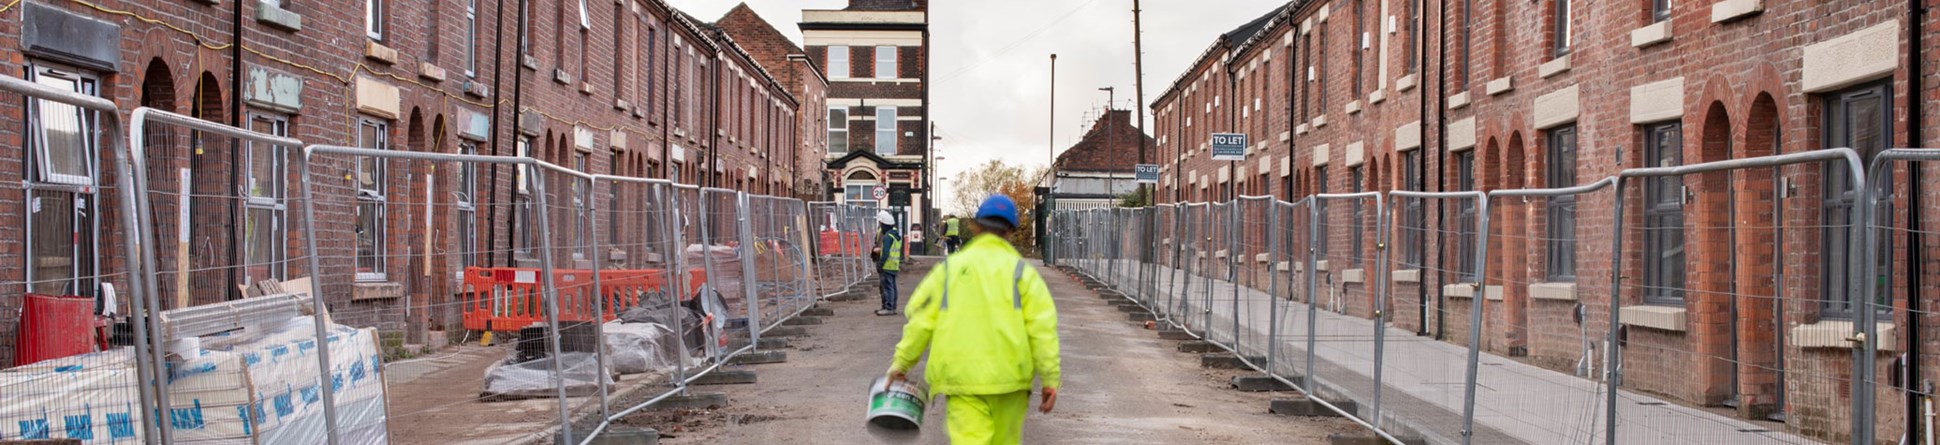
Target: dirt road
point(1122, 385)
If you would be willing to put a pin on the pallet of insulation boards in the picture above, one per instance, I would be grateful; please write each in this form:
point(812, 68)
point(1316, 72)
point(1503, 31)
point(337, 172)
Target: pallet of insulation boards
point(257, 386)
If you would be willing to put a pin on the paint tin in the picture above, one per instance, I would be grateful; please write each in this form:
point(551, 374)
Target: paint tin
point(896, 407)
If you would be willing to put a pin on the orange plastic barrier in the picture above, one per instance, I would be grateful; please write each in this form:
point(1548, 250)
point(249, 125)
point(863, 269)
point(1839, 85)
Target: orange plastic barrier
point(508, 298)
point(834, 243)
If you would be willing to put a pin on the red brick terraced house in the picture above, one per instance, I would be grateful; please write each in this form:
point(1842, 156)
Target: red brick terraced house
point(1733, 291)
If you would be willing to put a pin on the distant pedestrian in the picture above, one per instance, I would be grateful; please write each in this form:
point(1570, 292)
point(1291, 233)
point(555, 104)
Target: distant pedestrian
point(990, 326)
point(889, 259)
point(951, 241)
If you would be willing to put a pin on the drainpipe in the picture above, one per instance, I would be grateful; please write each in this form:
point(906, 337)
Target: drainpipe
point(1915, 13)
point(235, 150)
point(498, 62)
point(518, 97)
point(714, 120)
point(1441, 158)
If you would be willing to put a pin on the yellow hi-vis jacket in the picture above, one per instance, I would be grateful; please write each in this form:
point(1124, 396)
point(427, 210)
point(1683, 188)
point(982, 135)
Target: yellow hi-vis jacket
point(988, 321)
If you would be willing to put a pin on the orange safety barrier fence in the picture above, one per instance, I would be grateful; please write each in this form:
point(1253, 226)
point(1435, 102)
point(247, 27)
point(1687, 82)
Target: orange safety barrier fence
point(508, 298)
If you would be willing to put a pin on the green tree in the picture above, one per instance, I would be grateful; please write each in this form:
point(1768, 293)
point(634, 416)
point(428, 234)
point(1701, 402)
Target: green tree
point(997, 177)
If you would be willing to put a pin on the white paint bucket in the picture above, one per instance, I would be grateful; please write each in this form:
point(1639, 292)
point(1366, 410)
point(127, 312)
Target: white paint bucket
point(896, 407)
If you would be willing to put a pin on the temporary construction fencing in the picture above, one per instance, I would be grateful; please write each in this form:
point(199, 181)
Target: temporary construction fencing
point(1488, 326)
point(264, 290)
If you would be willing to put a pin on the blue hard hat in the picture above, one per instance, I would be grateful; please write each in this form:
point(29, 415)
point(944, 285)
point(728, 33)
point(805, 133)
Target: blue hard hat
point(998, 208)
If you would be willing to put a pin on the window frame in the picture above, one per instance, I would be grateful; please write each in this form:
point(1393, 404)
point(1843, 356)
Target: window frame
point(839, 71)
point(836, 126)
point(374, 19)
point(1413, 218)
point(375, 197)
point(1467, 238)
point(276, 202)
point(895, 138)
point(1320, 205)
point(83, 229)
point(1660, 10)
point(582, 196)
point(1664, 240)
point(1559, 225)
point(1357, 182)
point(1561, 38)
point(464, 204)
point(886, 67)
point(1836, 270)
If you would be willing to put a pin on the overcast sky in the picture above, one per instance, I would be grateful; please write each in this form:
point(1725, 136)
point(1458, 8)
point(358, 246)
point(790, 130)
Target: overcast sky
point(990, 66)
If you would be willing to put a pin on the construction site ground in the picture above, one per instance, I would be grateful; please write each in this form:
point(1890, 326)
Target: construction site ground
point(1122, 385)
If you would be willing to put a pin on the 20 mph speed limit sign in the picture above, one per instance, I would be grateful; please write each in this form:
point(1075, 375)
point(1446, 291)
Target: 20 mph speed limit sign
point(881, 193)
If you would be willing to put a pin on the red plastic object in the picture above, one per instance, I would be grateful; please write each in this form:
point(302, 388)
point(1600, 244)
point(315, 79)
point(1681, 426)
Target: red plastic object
point(52, 327)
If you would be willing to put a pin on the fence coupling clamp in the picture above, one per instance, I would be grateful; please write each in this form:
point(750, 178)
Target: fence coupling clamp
point(1857, 338)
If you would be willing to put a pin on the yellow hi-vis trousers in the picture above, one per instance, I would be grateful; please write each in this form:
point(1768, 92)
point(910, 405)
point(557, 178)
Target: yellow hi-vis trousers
point(987, 419)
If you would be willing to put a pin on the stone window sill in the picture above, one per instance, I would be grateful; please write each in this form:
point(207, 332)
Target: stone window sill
point(1467, 291)
point(1553, 291)
point(1834, 334)
point(1553, 67)
point(1407, 276)
point(1499, 86)
point(1355, 276)
point(1729, 10)
point(1651, 34)
point(1663, 318)
point(1262, 258)
point(377, 289)
point(1322, 265)
point(1456, 102)
point(1354, 107)
point(1405, 83)
point(1283, 266)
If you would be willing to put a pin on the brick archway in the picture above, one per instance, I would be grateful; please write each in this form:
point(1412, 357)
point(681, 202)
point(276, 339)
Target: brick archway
point(1760, 313)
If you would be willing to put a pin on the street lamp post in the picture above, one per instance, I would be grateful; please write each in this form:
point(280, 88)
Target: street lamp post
point(1111, 152)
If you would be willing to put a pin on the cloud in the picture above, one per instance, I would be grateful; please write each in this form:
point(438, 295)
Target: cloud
point(990, 64)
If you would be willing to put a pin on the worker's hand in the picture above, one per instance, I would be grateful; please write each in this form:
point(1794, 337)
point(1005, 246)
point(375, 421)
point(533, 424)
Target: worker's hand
point(1050, 400)
point(894, 376)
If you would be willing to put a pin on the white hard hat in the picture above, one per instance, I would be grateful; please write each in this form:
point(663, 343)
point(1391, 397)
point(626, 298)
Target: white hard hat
point(883, 216)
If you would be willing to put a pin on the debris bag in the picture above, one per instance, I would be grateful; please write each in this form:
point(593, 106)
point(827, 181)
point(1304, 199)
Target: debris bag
point(579, 372)
point(635, 348)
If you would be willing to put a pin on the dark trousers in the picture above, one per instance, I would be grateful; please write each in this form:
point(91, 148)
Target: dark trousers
point(888, 289)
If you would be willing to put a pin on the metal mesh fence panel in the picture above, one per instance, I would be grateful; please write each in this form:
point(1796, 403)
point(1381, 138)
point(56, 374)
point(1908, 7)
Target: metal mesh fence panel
point(78, 355)
point(1721, 327)
point(1289, 330)
point(1901, 230)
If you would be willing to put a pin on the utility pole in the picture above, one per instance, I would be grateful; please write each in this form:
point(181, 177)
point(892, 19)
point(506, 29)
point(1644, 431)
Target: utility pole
point(1138, 84)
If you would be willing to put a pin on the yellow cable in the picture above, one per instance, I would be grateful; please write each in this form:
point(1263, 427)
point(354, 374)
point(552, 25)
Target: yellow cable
point(9, 6)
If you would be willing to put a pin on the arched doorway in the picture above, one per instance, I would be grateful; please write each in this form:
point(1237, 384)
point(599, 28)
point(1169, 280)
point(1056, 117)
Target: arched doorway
point(163, 154)
point(1710, 259)
point(1514, 324)
point(1760, 311)
point(211, 210)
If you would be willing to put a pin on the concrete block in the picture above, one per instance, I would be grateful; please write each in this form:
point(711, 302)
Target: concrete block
point(759, 358)
point(1258, 383)
point(626, 435)
point(1131, 307)
point(802, 321)
point(1174, 334)
point(1140, 317)
point(693, 400)
point(1197, 346)
point(819, 312)
point(1305, 407)
point(786, 332)
point(727, 377)
point(773, 343)
point(1355, 438)
point(1220, 361)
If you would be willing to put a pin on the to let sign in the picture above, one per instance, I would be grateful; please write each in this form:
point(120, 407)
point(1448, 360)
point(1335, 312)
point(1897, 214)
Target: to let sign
point(1147, 173)
point(1228, 147)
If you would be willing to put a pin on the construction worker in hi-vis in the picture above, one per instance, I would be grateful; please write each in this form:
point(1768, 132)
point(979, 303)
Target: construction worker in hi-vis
point(990, 327)
point(889, 257)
